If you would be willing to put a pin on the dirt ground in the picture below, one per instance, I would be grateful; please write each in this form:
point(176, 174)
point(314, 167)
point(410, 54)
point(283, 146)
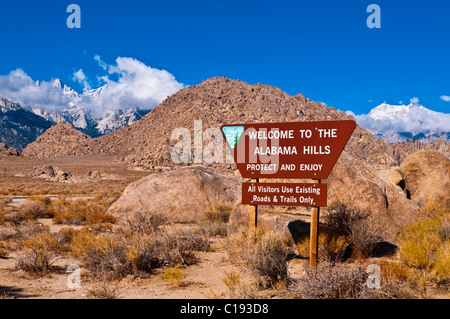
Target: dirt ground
point(16, 175)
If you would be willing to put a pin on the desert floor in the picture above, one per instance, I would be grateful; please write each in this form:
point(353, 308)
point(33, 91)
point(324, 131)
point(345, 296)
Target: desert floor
point(204, 279)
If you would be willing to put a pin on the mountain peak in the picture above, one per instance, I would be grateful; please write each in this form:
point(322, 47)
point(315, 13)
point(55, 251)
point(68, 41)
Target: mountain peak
point(58, 83)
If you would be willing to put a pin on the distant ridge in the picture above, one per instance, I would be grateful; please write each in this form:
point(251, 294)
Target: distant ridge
point(218, 101)
point(19, 126)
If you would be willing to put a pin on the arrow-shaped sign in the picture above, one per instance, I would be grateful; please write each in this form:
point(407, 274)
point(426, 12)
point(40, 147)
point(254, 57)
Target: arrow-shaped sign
point(304, 150)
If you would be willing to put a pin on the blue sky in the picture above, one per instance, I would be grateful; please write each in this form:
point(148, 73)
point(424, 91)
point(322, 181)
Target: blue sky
point(322, 49)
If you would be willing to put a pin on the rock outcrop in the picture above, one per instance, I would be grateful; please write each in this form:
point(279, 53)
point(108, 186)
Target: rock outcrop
point(51, 173)
point(426, 176)
point(182, 194)
point(5, 151)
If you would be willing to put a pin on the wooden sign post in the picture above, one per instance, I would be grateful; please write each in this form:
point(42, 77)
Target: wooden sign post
point(253, 218)
point(293, 150)
point(314, 235)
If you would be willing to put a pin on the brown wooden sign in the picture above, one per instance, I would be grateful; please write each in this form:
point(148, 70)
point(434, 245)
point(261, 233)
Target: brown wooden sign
point(304, 150)
point(285, 194)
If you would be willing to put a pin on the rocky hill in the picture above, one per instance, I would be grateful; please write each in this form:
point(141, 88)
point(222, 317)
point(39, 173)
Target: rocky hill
point(61, 139)
point(218, 101)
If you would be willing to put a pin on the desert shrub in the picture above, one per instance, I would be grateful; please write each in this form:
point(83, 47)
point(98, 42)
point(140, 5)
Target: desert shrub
point(28, 229)
point(266, 253)
point(216, 220)
point(356, 225)
point(270, 256)
point(174, 276)
point(332, 245)
point(334, 282)
point(102, 253)
point(36, 209)
point(44, 200)
point(16, 218)
point(65, 238)
point(194, 239)
point(38, 253)
point(142, 222)
point(338, 281)
point(425, 246)
point(104, 288)
point(220, 213)
point(136, 254)
point(3, 202)
point(180, 247)
point(149, 252)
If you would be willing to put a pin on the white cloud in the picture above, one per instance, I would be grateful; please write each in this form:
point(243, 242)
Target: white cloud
point(102, 64)
point(138, 85)
point(446, 98)
point(414, 100)
point(81, 78)
point(413, 118)
point(129, 83)
point(18, 86)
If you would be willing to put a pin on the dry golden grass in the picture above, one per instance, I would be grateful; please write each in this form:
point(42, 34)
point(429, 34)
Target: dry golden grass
point(81, 211)
point(425, 249)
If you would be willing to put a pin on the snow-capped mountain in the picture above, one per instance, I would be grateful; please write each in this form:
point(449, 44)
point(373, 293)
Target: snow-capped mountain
point(71, 94)
point(118, 119)
point(400, 123)
point(83, 119)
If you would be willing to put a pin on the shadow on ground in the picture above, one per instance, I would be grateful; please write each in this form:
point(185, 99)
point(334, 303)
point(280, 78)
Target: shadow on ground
point(14, 293)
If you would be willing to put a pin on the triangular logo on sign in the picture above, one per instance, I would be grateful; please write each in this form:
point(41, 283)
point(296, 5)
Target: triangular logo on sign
point(233, 134)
